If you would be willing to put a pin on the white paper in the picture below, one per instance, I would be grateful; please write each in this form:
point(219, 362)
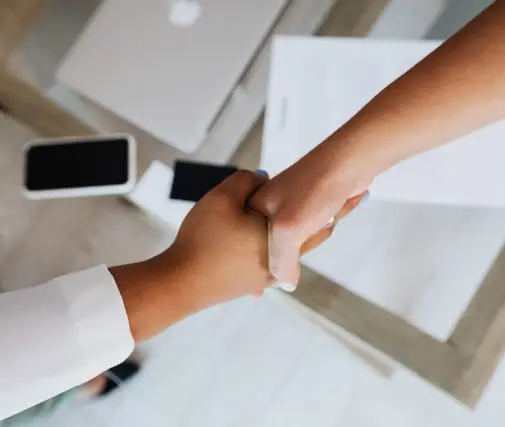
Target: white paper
point(317, 84)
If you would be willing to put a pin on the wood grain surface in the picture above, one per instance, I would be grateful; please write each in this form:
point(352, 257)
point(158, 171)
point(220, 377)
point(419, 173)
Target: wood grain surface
point(16, 18)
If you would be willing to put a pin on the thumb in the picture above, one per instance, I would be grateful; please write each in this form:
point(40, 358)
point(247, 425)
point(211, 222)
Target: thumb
point(283, 238)
point(283, 254)
point(241, 185)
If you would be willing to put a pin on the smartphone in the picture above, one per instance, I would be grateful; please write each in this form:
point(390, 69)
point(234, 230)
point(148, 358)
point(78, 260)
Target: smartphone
point(75, 167)
point(192, 180)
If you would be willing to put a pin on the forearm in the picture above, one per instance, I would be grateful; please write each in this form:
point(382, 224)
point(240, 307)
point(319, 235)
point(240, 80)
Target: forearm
point(76, 327)
point(458, 88)
point(155, 294)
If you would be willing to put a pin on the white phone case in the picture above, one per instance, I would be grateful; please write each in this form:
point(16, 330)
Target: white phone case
point(87, 191)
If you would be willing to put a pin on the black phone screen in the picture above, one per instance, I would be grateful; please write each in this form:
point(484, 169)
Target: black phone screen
point(74, 165)
point(193, 180)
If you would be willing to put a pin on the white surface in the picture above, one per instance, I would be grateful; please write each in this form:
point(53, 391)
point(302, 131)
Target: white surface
point(318, 84)
point(102, 190)
point(246, 363)
point(423, 262)
point(152, 195)
point(408, 19)
point(58, 335)
point(253, 363)
point(172, 81)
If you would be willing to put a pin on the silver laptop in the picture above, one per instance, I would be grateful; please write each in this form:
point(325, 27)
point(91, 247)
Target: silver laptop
point(168, 76)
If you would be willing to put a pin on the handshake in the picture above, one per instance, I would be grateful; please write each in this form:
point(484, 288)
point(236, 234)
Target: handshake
point(220, 253)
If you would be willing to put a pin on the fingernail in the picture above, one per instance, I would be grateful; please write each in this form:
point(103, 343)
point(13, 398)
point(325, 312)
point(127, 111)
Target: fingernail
point(365, 197)
point(330, 222)
point(261, 172)
point(286, 286)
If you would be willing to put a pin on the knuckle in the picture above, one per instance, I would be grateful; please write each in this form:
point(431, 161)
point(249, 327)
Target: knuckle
point(240, 179)
point(271, 203)
point(263, 202)
point(243, 175)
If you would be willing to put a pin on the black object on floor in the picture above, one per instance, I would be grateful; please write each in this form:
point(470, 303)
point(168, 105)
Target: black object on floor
point(120, 374)
point(192, 180)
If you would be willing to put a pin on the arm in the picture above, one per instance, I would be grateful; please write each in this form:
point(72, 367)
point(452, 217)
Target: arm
point(65, 332)
point(61, 334)
point(458, 88)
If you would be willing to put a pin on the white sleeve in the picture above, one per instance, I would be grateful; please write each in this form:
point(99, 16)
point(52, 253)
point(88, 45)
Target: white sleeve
point(59, 335)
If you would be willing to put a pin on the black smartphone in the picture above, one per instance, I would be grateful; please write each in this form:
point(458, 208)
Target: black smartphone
point(72, 167)
point(192, 180)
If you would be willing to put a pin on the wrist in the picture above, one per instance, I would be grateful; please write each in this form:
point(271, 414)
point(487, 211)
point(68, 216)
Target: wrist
point(368, 145)
point(352, 161)
point(345, 166)
point(154, 294)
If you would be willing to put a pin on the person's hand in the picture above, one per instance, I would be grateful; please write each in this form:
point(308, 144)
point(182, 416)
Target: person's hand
point(222, 245)
point(226, 244)
point(219, 254)
point(300, 202)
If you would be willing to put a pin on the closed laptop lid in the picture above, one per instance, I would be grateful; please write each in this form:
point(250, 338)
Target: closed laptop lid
point(169, 80)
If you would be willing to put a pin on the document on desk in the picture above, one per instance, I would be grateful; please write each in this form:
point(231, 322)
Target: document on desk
point(317, 84)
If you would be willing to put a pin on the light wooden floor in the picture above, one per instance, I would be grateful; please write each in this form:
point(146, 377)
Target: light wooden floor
point(39, 240)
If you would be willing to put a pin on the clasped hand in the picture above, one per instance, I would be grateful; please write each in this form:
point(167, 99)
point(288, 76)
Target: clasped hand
point(223, 242)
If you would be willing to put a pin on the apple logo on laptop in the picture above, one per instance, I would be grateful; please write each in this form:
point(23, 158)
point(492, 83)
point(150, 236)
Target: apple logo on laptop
point(184, 13)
